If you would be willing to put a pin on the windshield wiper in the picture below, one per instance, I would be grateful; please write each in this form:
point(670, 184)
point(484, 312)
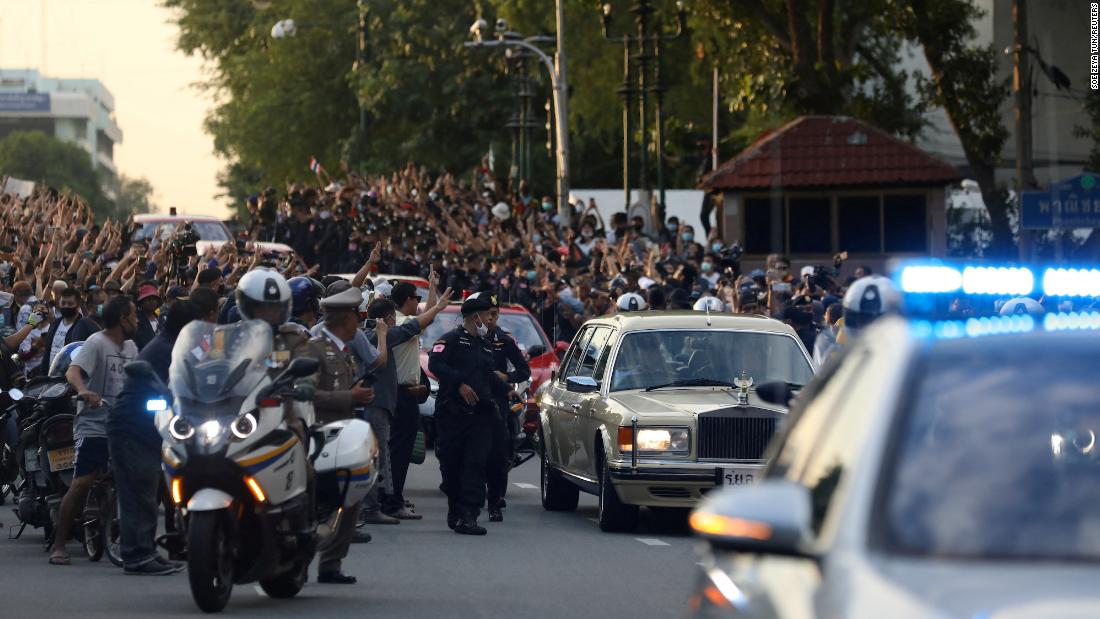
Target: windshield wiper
point(692, 382)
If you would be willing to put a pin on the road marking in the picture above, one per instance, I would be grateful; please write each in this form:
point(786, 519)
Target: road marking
point(524, 486)
point(649, 541)
point(259, 590)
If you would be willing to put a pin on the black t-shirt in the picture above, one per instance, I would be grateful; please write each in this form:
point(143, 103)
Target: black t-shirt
point(129, 417)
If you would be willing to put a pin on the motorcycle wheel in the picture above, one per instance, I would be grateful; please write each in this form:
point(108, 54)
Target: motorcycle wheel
point(93, 523)
point(288, 584)
point(112, 532)
point(210, 561)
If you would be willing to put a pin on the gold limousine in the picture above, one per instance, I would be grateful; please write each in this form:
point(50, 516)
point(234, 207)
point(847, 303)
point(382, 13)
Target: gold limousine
point(657, 408)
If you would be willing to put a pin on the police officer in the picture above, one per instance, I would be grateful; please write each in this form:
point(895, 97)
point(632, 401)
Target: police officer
point(338, 392)
point(505, 351)
point(466, 412)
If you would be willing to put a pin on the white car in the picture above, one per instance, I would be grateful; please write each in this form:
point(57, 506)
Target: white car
point(946, 469)
point(212, 232)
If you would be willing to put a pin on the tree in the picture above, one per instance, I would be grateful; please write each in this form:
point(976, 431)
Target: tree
point(33, 155)
point(134, 195)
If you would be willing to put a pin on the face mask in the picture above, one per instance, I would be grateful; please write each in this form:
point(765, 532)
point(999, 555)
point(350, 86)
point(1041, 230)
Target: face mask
point(326, 214)
point(547, 206)
point(687, 236)
point(532, 275)
point(638, 227)
point(537, 238)
point(482, 330)
point(586, 234)
point(716, 247)
point(68, 312)
point(672, 227)
point(705, 267)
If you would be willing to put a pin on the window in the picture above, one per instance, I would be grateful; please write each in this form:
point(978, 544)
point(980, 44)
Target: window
point(758, 226)
point(573, 356)
point(858, 220)
point(810, 226)
point(605, 355)
point(591, 352)
point(906, 226)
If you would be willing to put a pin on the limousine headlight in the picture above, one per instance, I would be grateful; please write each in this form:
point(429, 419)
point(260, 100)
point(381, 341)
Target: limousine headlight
point(656, 440)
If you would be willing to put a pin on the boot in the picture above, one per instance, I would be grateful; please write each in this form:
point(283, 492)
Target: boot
point(495, 515)
point(468, 526)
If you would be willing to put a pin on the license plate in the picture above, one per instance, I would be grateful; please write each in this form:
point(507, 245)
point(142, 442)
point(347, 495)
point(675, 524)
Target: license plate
point(30, 460)
point(61, 459)
point(738, 477)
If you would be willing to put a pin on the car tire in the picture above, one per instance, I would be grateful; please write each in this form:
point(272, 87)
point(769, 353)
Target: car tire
point(614, 516)
point(558, 495)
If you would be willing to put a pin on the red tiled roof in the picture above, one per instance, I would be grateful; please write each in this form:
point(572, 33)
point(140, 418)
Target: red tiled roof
point(829, 151)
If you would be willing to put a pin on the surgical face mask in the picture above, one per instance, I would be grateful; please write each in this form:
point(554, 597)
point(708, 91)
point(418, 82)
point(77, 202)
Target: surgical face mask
point(482, 329)
point(672, 227)
point(532, 275)
point(706, 266)
point(326, 214)
point(586, 233)
point(687, 236)
point(547, 206)
point(716, 247)
point(536, 237)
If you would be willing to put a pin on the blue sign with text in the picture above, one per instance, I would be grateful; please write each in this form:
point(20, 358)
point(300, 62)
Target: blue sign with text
point(1067, 204)
point(24, 102)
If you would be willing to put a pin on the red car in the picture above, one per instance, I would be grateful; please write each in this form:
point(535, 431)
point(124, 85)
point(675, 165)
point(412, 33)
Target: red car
point(542, 355)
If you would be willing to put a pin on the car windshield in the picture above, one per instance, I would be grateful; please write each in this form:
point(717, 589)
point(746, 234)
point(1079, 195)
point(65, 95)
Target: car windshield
point(998, 455)
point(215, 367)
point(521, 326)
point(161, 230)
point(652, 358)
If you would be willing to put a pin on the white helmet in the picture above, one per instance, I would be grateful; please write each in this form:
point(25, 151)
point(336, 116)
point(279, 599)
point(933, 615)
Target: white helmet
point(1022, 305)
point(867, 299)
point(262, 289)
point(709, 304)
point(631, 302)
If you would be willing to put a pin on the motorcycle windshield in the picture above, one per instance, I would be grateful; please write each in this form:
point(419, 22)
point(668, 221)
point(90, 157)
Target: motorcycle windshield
point(215, 367)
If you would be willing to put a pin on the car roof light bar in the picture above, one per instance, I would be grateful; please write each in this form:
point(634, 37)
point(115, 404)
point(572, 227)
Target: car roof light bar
point(1062, 282)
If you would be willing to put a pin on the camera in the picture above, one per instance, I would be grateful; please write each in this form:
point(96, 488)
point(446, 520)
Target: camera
point(181, 247)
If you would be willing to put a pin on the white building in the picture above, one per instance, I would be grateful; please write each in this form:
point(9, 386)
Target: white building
point(80, 111)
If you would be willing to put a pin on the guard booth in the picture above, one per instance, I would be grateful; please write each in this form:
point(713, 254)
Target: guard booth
point(821, 185)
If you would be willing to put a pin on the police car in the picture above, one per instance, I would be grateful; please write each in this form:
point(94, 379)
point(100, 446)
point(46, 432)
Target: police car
point(936, 468)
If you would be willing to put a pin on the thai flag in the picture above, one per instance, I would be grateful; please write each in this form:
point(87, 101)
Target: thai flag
point(314, 165)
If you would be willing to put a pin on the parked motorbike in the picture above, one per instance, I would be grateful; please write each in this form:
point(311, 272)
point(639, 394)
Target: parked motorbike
point(238, 472)
point(102, 531)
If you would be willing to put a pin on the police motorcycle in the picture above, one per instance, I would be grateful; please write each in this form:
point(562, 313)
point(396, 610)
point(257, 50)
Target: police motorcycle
point(237, 472)
point(44, 416)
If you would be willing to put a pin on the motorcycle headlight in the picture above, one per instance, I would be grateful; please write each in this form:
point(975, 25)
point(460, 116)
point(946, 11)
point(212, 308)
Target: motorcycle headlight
point(244, 426)
point(210, 431)
point(180, 428)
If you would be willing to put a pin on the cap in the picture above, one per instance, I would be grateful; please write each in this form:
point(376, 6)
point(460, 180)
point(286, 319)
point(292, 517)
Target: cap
point(402, 292)
point(113, 285)
point(177, 292)
point(384, 288)
point(92, 287)
point(146, 291)
point(478, 302)
point(337, 287)
point(348, 300)
point(486, 297)
point(807, 271)
point(501, 211)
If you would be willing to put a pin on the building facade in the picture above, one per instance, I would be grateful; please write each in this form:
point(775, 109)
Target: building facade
point(79, 111)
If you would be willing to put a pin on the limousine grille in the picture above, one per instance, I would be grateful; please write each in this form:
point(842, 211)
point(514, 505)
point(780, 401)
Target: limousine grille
point(734, 438)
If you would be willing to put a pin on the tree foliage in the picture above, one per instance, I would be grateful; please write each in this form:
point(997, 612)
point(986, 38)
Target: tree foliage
point(33, 155)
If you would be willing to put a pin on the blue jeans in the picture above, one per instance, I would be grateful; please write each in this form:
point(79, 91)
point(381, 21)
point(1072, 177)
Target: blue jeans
point(136, 468)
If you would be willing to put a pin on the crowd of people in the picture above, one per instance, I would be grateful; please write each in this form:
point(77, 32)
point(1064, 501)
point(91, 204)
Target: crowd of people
point(66, 278)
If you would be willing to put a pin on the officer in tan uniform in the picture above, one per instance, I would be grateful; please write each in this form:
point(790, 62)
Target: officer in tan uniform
point(338, 392)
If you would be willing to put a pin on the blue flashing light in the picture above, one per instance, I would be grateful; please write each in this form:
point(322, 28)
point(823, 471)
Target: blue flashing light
point(1014, 281)
point(1061, 282)
point(1072, 321)
point(156, 405)
point(974, 327)
point(916, 279)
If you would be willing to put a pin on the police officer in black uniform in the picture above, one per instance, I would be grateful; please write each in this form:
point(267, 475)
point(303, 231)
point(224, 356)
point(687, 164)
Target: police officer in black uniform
point(505, 351)
point(466, 413)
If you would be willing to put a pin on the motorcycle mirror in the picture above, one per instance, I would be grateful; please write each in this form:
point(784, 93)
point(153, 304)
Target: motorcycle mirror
point(302, 367)
point(15, 394)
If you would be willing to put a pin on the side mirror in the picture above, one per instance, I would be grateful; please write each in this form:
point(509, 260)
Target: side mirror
point(581, 384)
point(302, 367)
point(776, 393)
point(139, 370)
point(772, 517)
point(537, 350)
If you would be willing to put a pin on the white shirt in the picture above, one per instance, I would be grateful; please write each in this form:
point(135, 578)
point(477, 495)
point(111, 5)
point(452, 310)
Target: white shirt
point(340, 345)
point(59, 338)
point(25, 347)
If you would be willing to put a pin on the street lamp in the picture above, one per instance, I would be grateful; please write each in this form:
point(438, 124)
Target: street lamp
point(558, 84)
point(288, 28)
point(648, 56)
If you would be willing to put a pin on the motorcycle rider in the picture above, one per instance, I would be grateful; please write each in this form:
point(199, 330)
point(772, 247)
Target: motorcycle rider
point(306, 293)
point(505, 351)
point(867, 298)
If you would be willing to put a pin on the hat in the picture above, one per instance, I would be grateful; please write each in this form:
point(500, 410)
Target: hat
point(92, 287)
point(383, 289)
point(807, 271)
point(348, 300)
point(477, 302)
point(177, 292)
point(402, 292)
point(337, 287)
point(113, 285)
point(146, 291)
point(501, 211)
point(757, 274)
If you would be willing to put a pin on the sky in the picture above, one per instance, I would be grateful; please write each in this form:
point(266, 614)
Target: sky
point(129, 45)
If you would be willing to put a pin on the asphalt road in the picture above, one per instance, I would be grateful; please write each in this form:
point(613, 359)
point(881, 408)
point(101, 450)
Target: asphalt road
point(535, 564)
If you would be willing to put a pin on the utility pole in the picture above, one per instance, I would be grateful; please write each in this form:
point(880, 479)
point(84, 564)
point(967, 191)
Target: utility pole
point(1021, 85)
point(561, 109)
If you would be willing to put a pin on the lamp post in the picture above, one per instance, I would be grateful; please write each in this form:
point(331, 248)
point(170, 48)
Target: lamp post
point(648, 64)
point(288, 28)
point(558, 84)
